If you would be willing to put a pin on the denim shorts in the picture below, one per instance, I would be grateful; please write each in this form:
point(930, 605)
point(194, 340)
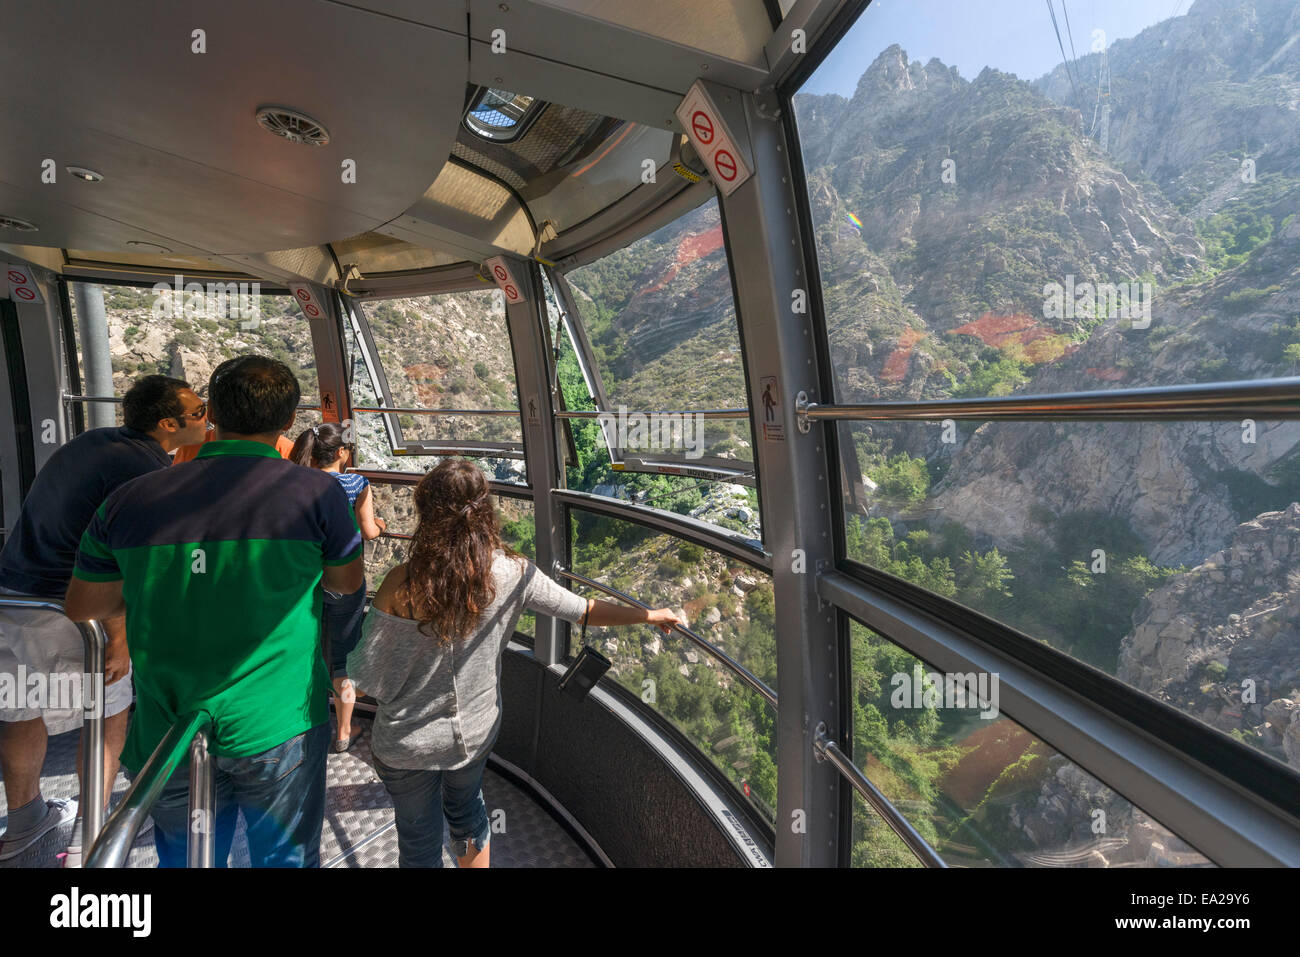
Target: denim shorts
point(340, 625)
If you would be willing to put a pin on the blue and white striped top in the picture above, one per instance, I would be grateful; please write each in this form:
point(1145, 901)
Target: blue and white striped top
point(353, 484)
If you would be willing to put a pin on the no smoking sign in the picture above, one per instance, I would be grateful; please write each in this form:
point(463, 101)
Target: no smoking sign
point(505, 280)
point(712, 139)
point(19, 285)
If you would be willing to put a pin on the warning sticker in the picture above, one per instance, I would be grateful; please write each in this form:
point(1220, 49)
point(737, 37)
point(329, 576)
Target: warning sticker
point(307, 301)
point(22, 287)
point(773, 420)
point(700, 118)
point(534, 412)
point(329, 410)
point(505, 280)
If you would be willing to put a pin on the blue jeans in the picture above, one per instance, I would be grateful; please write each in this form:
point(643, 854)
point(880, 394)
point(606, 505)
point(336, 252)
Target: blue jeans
point(418, 800)
point(280, 791)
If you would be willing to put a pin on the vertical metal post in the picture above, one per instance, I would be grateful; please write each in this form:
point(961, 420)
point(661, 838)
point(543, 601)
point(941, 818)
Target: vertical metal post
point(761, 226)
point(92, 770)
point(200, 841)
point(96, 360)
point(525, 320)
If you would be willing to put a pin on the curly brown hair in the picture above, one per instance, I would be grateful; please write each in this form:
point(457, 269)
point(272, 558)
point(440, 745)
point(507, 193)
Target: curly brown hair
point(449, 579)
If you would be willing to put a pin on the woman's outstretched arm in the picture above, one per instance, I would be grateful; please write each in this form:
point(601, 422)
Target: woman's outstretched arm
point(609, 613)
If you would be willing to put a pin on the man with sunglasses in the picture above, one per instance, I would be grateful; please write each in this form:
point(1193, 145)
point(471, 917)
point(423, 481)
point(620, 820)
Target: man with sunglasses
point(161, 414)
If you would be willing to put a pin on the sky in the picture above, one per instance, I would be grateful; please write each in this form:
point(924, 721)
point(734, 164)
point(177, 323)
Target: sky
point(1015, 36)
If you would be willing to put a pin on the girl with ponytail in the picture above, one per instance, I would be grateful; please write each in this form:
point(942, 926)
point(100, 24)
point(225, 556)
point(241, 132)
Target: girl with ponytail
point(430, 655)
point(322, 447)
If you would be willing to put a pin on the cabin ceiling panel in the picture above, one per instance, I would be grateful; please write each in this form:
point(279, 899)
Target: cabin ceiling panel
point(732, 29)
point(121, 92)
point(57, 221)
point(624, 47)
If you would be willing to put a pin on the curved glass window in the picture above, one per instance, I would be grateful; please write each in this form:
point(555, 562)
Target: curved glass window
point(728, 604)
point(989, 221)
point(446, 352)
point(1161, 553)
point(661, 325)
point(979, 788)
point(188, 334)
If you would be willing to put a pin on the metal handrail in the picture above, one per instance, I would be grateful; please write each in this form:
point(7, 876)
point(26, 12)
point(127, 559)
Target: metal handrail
point(397, 411)
point(92, 770)
point(824, 749)
point(188, 735)
point(1267, 399)
point(728, 662)
point(703, 413)
point(117, 400)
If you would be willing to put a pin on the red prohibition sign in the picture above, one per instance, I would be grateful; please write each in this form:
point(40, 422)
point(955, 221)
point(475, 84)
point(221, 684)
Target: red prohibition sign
point(304, 295)
point(500, 272)
point(511, 292)
point(703, 126)
point(22, 292)
point(312, 311)
point(17, 278)
point(726, 164)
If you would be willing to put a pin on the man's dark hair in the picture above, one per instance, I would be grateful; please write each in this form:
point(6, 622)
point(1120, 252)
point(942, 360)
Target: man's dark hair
point(252, 395)
point(153, 398)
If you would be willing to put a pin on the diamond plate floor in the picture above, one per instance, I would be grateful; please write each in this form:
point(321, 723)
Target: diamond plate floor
point(356, 806)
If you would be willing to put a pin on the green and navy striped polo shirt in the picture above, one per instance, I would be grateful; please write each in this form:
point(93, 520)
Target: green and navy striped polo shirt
point(219, 560)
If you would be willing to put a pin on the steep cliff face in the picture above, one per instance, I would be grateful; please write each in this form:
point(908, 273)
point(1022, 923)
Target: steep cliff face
point(1223, 640)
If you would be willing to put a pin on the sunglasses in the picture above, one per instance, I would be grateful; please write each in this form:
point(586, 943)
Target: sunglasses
point(197, 414)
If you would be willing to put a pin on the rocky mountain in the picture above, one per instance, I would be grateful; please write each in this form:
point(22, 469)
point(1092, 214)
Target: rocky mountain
point(1223, 639)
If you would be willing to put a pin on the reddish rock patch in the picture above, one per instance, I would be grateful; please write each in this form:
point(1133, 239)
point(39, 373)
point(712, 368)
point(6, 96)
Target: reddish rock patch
point(896, 365)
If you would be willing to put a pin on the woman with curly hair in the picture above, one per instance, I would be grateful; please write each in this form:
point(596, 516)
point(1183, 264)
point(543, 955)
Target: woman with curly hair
point(430, 655)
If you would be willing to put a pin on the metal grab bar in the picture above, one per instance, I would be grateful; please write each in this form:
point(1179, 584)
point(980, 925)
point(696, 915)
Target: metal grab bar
point(824, 749)
point(394, 411)
point(615, 413)
point(1266, 399)
point(92, 769)
point(731, 664)
point(117, 400)
point(188, 734)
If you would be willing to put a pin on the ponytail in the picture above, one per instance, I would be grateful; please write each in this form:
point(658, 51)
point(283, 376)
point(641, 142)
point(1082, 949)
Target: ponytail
point(318, 446)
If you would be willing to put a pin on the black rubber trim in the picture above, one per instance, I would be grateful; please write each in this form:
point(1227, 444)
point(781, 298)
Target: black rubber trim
point(71, 358)
point(22, 407)
point(1234, 761)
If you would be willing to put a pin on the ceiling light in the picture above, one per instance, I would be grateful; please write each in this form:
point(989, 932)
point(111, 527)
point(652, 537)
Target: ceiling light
point(148, 247)
point(293, 126)
point(89, 175)
point(22, 225)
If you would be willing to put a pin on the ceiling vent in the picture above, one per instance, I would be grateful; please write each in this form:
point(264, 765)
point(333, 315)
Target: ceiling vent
point(22, 225)
point(293, 126)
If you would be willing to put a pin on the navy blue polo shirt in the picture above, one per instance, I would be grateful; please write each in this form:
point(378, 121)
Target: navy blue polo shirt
point(40, 551)
point(219, 560)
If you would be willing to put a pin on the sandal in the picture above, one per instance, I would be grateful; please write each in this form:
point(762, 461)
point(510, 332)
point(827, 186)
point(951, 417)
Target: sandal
point(340, 745)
